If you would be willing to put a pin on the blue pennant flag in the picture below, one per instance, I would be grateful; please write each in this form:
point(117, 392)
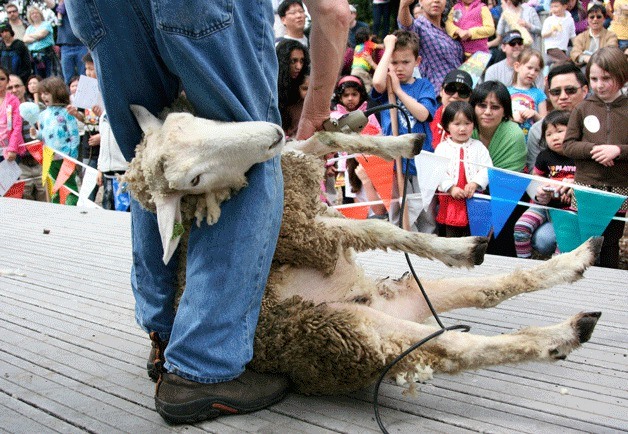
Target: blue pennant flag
point(479, 212)
point(506, 190)
point(566, 228)
point(596, 209)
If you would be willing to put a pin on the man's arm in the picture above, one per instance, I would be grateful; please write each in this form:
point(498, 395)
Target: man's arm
point(404, 16)
point(328, 40)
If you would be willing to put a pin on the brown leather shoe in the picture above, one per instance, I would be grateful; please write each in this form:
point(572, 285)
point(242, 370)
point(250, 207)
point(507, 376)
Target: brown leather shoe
point(178, 400)
point(156, 359)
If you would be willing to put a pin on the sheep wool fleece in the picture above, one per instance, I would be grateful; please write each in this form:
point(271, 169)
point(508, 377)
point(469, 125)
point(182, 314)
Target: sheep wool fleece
point(223, 57)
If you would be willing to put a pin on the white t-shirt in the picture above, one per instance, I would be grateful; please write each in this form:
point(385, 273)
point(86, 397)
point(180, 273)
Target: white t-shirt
point(566, 29)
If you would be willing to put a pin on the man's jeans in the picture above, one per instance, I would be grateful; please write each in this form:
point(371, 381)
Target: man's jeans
point(72, 61)
point(222, 53)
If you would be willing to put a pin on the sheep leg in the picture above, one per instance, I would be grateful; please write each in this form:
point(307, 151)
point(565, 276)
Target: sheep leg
point(453, 351)
point(387, 147)
point(362, 235)
point(403, 299)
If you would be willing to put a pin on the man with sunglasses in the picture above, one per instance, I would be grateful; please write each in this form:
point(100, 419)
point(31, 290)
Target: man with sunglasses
point(568, 87)
point(18, 24)
point(512, 46)
point(457, 86)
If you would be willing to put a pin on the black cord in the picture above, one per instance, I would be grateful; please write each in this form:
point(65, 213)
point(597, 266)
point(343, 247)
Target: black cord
point(464, 328)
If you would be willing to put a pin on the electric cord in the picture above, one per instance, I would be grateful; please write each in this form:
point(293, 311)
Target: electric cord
point(464, 328)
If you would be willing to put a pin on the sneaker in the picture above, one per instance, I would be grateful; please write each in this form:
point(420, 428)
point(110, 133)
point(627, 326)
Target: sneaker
point(156, 359)
point(178, 400)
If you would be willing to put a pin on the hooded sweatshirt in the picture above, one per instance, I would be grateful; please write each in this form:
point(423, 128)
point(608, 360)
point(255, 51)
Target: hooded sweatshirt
point(595, 122)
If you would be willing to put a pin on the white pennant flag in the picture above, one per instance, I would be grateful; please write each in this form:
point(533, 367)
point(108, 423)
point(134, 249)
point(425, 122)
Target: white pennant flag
point(430, 170)
point(89, 183)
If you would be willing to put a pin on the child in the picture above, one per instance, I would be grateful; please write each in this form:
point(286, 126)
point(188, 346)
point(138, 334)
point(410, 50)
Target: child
point(467, 171)
point(597, 141)
point(557, 30)
point(349, 95)
point(416, 97)
point(553, 164)
point(528, 103)
point(58, 129)
point(363, 62)
point(471, 22)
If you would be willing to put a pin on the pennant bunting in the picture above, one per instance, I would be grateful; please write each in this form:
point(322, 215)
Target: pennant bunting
point(36, 150)
point(380, 173)
point(566, 228)
point(10, 172)
point(16, 191)
point(430, 170)
point(355, 212)
point(48, 153)
point(479, 212)
point(66, 170)
point(90, 179)
point(595, 211)
point(506, 190)
point(64, 192)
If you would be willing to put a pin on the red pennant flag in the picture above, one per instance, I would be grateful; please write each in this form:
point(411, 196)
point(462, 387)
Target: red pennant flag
point(381, 173)
point(16, 190)
point(64, 192)
point(355, 212)
point(36, 150)
point(67, 169)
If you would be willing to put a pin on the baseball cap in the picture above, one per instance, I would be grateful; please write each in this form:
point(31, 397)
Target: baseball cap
point(458, 76)
point(4, 26)
point(511, 36)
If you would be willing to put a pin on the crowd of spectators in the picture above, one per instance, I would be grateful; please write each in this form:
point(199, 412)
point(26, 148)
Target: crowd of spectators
point(531, 64)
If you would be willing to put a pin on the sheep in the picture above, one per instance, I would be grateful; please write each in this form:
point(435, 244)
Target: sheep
point(323, 322)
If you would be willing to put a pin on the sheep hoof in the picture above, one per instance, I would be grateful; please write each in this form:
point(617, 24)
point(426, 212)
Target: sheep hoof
point(480, 250)
point(595, 245)
point(418, 143)
point(585, 325)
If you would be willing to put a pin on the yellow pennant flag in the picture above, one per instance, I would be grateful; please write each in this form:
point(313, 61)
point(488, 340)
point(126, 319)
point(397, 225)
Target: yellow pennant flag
point(45, 165)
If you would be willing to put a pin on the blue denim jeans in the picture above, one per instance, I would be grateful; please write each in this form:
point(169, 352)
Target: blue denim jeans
point(381, 19)
point(544, 239)
point(223, 56)
point(71, 61)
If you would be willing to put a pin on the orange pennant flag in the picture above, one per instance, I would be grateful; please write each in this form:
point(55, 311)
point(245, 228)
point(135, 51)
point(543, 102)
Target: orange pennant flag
point(66, 170)
point(36, 149)
point(381, 173)
point(64, 192)
point(16, 190)
point(355, 212)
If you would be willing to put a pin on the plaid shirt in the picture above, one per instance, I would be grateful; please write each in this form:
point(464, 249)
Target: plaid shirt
point(439, 52)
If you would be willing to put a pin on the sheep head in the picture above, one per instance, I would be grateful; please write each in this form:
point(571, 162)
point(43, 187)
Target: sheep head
point(187, 155)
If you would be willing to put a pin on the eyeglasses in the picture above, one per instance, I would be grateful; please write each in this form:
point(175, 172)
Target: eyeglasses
point(12, 12)
point(297, 12)
point(462, 90)
point(569, 90)
point(516, 42)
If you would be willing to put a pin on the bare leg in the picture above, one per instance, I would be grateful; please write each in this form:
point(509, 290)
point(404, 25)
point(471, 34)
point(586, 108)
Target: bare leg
point(388, 147)
point(364, 235)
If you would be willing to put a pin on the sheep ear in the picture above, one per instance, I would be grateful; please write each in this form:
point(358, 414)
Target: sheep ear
point(169, 222)
point(145, 118)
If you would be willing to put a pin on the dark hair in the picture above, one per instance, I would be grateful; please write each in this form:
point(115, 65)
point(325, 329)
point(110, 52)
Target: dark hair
point(482, 91)
point(612, 60)
point(28, 94)
point(288, 88)
point(406, 39)
point(596, 7)
point(566, 68)
point(7, 26)
point(555, 117)
point(515, 3)
point(57, 88)
point(362, 35)
point(73, 79)
point(87, 58)
point(338, 91)
point(5, 71)
point(453, 108)
point(285, 5)
point(562, 2)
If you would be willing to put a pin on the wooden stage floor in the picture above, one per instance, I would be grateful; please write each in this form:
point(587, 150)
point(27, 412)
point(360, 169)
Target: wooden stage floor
point(72, 358)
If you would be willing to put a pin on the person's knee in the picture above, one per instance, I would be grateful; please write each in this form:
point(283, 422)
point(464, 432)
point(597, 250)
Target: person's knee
point(544, 239)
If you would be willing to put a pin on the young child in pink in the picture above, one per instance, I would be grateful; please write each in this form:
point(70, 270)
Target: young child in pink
point(471, 22)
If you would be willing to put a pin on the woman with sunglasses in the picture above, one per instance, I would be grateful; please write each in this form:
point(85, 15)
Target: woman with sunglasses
point(587, 43)
point(457, 86)
point(506, 146)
